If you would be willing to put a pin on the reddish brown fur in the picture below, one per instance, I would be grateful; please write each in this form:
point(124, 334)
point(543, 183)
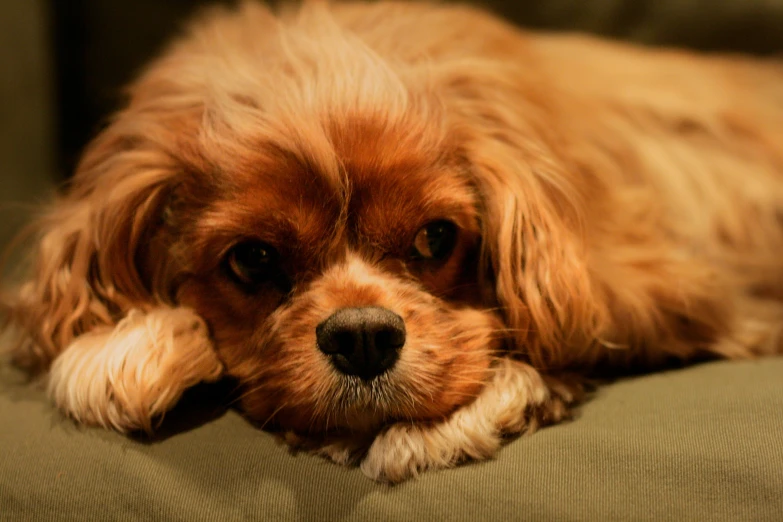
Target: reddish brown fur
point(617, 207)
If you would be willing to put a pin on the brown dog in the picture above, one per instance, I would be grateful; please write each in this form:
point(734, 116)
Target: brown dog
point(405, 228)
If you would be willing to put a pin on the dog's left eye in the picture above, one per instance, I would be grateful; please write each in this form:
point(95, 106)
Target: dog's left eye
point(252, 263)
point(435, 241)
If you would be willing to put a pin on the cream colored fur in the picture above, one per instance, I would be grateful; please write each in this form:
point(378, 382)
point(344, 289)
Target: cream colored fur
point(128, 376)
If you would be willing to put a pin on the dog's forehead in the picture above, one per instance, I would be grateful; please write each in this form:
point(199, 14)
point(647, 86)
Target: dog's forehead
point(371, 188)
point(270, 196)
point(370, 179)
point(398, 179)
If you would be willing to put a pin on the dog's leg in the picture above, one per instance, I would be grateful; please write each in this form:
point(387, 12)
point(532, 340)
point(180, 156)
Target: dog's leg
point(126, 376)
point(517, 400)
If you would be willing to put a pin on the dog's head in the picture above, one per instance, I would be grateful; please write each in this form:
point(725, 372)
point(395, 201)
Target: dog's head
point(361, 238)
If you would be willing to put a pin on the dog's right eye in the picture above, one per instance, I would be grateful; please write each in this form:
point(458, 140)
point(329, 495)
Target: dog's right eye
point(253, 263)
point(435, 241)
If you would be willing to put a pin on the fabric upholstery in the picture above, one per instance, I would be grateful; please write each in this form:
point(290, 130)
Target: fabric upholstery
point(702, 443)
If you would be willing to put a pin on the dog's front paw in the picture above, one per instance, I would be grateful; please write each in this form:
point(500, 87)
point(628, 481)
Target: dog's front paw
point(517, 400)
point(405, 450)
point(127, 377)
point(398, 454)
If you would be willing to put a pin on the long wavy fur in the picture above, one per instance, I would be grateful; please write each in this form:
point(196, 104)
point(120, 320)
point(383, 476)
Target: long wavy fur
point(629, 203)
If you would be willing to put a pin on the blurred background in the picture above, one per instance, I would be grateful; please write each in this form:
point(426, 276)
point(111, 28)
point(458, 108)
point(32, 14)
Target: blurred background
point(63, 64)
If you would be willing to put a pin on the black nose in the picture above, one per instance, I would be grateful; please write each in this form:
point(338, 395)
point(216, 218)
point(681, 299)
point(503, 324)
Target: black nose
point(362, 341)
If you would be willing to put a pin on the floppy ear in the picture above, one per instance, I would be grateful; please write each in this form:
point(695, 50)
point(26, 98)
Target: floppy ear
point(533, 249)
point(582, 268)
point(97, 302)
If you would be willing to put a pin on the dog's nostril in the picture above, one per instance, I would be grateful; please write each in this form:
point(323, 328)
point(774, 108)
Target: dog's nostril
point(389, 338)
point(344, 342)
point(362, 341)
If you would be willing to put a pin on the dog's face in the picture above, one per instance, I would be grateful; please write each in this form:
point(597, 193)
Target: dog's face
point(342, 294)
point(358, 238)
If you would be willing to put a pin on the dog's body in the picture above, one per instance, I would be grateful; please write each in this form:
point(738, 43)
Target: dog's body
point(408, 230)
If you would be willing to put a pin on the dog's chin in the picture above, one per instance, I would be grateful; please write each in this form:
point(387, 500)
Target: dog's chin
point(358, 407)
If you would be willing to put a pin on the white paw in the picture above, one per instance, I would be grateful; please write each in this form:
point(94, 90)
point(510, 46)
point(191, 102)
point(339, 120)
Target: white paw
point(399, 453)
point(127, 376)
point(406, 450)
point(516, 401)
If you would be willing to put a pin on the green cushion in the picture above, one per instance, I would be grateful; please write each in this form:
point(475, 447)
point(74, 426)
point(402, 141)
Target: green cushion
point(703, 443)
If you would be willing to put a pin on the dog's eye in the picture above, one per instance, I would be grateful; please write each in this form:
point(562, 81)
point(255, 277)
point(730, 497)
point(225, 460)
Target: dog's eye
point(435, 241)
point(252, 263)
